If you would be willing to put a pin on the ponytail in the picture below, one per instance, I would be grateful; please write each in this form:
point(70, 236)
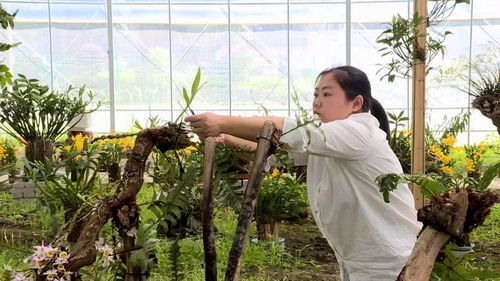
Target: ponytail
point(378, 111)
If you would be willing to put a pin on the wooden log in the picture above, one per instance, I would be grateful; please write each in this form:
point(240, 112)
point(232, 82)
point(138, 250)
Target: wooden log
point(207, 217)
point(423, 255)
point(451, 216)
point(267, 144)
point(122, 203)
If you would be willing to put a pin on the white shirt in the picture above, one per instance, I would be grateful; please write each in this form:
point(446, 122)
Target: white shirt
point(372, 240)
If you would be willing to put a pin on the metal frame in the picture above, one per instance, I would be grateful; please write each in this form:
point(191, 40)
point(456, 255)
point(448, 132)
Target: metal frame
point(229, 3)
point(50, 47)
point(109, 18)
point(470, 65)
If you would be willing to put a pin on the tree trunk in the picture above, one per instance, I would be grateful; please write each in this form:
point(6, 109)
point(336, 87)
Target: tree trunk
point(114, 172)
point(39, 148)
point(267, 229)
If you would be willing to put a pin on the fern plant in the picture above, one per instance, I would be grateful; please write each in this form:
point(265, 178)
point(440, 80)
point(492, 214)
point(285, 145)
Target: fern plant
point(172, 205)
point(174, 254)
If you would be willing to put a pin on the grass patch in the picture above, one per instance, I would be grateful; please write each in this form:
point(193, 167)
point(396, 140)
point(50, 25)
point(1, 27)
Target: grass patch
point(490, 230)
point(191, 259)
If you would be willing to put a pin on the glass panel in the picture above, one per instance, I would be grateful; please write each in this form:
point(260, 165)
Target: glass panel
point(32, 57)
point(80, 47)
point(486, 9)
point(480, 122)
point(200, 41)
point(317, 42)
point(369, 20)
point(140, 14)
point(378, 1)
point(79, 1)
point(485, 50)
point(18, 2)
point(198, 2)
point(154, 2)
point(142, 60)
point(259, 57)
point(477, 137)
point(101, 122)
point(460, 12)
point(317, 1)
point(437, 118)
point(258, 1)
point(450, 74)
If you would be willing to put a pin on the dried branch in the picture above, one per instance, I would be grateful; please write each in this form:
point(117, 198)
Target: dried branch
point(122, 203)
point(268, 142)
point(208, 212)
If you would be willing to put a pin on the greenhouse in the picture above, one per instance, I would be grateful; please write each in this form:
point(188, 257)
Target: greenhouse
point(350, 140)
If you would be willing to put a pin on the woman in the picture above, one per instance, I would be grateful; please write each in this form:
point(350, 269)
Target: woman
point(372, 240)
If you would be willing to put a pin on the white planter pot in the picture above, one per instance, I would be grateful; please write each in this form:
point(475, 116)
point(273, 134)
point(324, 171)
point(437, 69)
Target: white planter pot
point(459, 252)
point(83, 125)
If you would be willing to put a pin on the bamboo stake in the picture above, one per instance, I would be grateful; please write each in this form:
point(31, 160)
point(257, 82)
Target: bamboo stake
point(267, 142)
point(208, 212)
point(418, 106)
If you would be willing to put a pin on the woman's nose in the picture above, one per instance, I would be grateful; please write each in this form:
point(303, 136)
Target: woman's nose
point(316, 103)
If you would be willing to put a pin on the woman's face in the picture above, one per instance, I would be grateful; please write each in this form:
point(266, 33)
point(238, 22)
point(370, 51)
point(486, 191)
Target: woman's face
point(330, 101)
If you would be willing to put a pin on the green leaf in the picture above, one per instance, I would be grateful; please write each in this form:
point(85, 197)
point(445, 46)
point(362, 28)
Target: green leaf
point(484, 274)
point(176, 212)
point(185, 95)
point(430, 186)
point(488, 176)
point(196, 83)
point(388, 183)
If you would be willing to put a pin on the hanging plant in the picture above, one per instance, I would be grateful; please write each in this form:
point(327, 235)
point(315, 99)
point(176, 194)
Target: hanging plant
point(486, 93)
point(400, 40)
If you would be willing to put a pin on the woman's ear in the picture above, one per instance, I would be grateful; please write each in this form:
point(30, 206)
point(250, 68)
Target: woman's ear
point(358, 104)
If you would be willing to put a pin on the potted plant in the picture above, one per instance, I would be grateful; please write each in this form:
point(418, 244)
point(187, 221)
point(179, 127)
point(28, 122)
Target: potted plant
point(113, 149)
point(8, 158)
point(37, 116)
point(281, 197)
point(486, 92)
point(458, 204)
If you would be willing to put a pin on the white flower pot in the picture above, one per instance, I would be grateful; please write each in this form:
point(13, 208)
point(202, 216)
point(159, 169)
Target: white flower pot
point(83, 124)
point(458, 252)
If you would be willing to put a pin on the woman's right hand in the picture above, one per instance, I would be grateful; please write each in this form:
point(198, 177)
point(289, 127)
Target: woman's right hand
point(206, 124)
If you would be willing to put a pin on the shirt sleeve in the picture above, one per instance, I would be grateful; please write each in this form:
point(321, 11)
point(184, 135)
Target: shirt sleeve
point(296, 141)
point(346, 139)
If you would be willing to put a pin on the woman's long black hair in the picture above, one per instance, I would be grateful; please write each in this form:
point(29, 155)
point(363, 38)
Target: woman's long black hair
point(354, 82)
